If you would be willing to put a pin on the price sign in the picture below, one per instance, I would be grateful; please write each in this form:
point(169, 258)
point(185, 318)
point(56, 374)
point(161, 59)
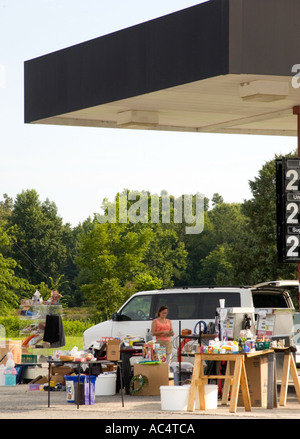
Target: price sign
point(288, 209)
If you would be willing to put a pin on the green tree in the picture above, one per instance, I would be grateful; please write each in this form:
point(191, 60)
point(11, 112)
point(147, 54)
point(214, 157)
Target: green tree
point(11, 286)
point(216, 268)
point(117, 259)
point(254, 255)
point(39, 248)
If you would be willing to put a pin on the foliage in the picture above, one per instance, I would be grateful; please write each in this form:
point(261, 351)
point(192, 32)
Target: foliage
point(100, 263)
point(39, 247)
point(117, 260)
point(10, 284)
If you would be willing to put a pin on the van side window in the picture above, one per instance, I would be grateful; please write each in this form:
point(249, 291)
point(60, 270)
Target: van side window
point(210, 301)
point(181, 306)
point(268, 300)
point(137, 309)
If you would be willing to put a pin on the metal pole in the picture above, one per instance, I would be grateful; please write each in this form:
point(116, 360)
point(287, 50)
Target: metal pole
point(296, 110)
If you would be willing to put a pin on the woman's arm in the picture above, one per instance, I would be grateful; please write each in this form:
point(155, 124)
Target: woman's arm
point(171, 332)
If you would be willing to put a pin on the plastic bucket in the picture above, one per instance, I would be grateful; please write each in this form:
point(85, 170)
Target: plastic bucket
point(174, 397)
point(70, 388)
point(106, 384)
point(211, 396)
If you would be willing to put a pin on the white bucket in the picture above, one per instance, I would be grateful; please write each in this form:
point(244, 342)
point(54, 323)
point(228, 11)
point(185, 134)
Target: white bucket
point(211, 396)
point(106, 384)
point(174, 397)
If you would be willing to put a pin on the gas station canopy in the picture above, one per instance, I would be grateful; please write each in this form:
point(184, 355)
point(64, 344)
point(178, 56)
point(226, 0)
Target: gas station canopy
point(223, 66)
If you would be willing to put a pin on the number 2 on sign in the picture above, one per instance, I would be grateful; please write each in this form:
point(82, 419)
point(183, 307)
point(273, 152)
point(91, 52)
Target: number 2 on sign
point(291, 186)
point(292, 252)
point(293, 207)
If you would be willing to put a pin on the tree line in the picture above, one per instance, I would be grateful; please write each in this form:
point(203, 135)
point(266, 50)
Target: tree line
point(100, 264)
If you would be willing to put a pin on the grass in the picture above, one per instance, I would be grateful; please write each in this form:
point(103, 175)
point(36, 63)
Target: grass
point(72, 341)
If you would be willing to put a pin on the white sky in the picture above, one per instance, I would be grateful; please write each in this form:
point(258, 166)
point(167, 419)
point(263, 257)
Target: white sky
point(77, 167)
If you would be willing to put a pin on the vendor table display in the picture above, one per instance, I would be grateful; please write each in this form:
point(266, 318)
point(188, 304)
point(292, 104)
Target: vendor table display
point(238, 379)
point(77, 365)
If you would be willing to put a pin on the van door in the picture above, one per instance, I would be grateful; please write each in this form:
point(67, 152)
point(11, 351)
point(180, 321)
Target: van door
point(134, 318)
point(273, 294)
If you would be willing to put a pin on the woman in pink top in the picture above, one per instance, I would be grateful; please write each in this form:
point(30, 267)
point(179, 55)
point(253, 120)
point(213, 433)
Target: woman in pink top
point(162, 329)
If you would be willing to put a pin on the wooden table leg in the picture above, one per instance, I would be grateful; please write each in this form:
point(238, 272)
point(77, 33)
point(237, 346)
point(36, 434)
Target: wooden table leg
point(245, 388)
point(294, 374)
point(201, 388)
point(226, 386)
point(285, 378)
point(193, 389)
point(239, 378)
point(236, 384)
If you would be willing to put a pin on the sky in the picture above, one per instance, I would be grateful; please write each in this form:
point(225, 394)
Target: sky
point(77, 167)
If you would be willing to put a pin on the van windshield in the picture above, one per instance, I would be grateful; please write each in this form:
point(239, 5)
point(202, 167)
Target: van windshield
point(137, 309)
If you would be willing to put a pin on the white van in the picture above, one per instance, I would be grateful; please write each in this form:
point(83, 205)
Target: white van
point(188, 306)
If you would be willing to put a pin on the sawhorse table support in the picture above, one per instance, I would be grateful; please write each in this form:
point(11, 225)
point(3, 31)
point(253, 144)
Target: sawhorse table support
point(238, 379)
point(289, 366)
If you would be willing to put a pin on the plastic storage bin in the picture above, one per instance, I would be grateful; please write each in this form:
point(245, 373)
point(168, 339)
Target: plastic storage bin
point(174, 398)
point(72, 381)
point(106, 384)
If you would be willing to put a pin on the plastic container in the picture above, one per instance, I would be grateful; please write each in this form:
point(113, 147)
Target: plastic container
point(2, 375)
point(10, 376)
point(70, 388)
point(184, 377)
point(106, 384)
point(211, 396)
point(186, 372)
point(29, 358)
point(174, 398)
point(72, 381)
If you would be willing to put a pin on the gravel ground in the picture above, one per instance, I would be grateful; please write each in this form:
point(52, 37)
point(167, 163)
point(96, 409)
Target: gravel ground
point(20, 403)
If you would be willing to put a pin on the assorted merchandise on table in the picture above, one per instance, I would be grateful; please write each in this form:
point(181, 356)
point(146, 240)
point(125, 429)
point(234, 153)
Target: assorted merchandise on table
point(86, 374)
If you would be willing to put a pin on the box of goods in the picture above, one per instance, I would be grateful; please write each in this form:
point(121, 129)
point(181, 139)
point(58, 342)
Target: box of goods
point(160, 354)
point(34, 387)
point(113, 350)
point(148, 351)
point(156, 375)
point(39, 380)
point(58, 379)
point(29, 358)
point(154, 352)
point(257, 377)
point(14, 346)
point(61, 370)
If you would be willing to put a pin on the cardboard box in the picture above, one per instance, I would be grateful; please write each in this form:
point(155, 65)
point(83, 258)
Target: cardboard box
point(58, 379)
point(257, 376)
point(61, 370)
point(154, 352)
point(160, 354)
point(113, 350)
point(39, 380)
point(6, 345)
point(157, 375)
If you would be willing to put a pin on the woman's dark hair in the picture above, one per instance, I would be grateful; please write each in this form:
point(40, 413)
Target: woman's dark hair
point(162, 308)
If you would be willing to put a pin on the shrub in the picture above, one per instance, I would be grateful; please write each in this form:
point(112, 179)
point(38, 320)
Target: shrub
point(12, 325)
